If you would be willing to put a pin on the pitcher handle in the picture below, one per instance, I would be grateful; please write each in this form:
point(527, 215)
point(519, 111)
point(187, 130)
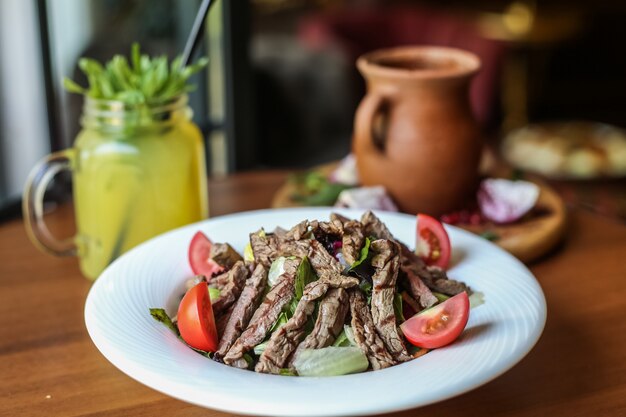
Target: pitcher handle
point(364, 118)
point(32, 204)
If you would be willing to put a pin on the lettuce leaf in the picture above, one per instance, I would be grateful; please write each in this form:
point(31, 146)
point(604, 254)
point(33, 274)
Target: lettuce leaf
point(330, 361)
point(345, 338)
point(476, 299)
point(277, 268)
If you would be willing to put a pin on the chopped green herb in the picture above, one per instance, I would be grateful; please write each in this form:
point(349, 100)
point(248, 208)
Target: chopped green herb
point(517, 174)
point(440, 297)
point(412, 349)
point(214, 294)
point(282, 319)
point(160, 315)
point(314, 189)
point(202, 352)
point(249, 360)
point(490, 235)
point(287, 372)
point(366, 287)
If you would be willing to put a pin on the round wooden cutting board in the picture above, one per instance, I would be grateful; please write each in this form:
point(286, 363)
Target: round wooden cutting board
point(527, 239)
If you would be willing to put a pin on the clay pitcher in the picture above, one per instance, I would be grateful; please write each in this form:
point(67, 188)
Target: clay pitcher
point(414, 131)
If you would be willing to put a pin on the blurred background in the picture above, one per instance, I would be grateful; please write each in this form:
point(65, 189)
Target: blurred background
point(282, 88)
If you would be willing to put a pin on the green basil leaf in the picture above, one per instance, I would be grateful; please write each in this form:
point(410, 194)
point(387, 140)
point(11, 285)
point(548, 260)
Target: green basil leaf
point(365, 251)
point(304, 276)
point(397, 308)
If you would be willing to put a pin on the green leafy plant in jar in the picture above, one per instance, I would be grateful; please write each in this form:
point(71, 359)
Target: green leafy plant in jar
point(138, 164)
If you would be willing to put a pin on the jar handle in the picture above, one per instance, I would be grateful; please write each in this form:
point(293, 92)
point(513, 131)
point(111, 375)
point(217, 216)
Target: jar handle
point(373, 103)
point(32, 204)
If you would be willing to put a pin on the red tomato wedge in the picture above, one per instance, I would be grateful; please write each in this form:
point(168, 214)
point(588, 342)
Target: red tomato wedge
point(195, 319)
point(200, 256)
point(432, 242)
point(439, 325)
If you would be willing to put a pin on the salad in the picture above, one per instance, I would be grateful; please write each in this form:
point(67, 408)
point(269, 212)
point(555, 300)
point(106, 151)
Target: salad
point(323, 298)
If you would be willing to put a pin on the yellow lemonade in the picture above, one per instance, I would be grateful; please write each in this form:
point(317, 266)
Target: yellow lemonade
point(133, 183)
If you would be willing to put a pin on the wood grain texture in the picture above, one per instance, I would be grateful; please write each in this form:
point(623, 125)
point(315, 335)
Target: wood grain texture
point(578, 368)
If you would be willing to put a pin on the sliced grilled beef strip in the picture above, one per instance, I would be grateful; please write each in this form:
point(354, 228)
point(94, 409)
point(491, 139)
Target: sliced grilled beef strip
point(322, 262)
point(417, 288)
point(352, 241)
point(292, 243)
point(264, 316)
point(225, 255)
point(285, 340)
point(439, 282)
point(242, 310)
point(329, 322)
point(279, 231)
point(219, 281)
point(297, 248)
point(231, 290)
point(328, 269)
point(433, 277)
point(263, 247)
point(374, 227)
point(298, 231)
point(190, 283)
point(327, 233)
point(333, 227)
point(339, 217)
point(365, 334)
point(387, 263)
point(221, 320)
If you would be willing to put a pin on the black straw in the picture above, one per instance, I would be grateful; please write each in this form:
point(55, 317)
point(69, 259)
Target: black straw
point(196, 32)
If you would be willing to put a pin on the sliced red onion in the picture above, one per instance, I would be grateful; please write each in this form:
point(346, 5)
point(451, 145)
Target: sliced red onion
point(341, 259)
point(346, 172)
point(505, 201)
point(373, 198)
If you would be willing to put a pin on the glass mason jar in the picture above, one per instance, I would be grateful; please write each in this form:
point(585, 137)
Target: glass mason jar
point(137, 171)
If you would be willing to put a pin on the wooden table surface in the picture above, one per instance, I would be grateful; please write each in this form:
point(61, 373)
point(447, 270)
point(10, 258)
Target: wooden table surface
point(49, 366)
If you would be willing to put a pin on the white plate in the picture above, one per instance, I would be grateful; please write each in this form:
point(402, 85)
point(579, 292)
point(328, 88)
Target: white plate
point(499, 333)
